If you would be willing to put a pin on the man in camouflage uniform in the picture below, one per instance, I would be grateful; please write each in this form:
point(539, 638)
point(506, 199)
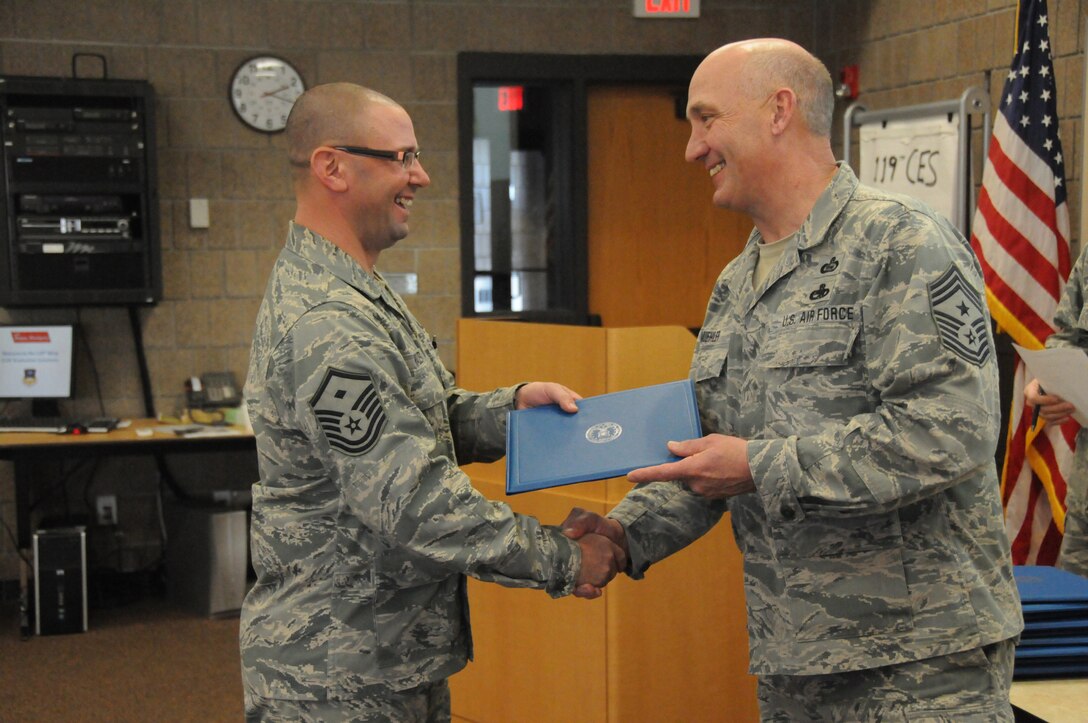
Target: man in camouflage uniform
point(847, 374)
point(363, 525)
point(1071, 330)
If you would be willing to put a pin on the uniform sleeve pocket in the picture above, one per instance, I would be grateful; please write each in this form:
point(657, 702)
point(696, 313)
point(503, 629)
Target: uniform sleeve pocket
point(426, 390)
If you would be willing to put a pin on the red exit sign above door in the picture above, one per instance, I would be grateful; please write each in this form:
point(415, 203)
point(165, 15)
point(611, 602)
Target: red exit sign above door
point(665, 8)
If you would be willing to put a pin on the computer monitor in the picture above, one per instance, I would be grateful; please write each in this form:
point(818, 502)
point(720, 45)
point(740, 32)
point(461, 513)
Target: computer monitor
point(36, 364)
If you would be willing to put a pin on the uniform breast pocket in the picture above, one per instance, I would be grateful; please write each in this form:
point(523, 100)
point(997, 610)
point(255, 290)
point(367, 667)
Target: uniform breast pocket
point(812, 372)
point(708, 367)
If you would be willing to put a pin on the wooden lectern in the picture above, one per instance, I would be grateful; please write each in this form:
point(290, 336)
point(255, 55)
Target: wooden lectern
point(671, 647)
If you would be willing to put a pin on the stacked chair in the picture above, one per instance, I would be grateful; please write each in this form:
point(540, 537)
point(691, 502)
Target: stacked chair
point(1055, 639)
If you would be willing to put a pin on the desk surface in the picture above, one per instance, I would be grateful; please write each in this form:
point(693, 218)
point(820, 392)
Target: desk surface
point(162, 437)
point(29, 450)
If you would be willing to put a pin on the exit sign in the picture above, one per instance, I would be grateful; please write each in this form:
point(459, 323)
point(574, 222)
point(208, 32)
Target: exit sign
point(666, 8)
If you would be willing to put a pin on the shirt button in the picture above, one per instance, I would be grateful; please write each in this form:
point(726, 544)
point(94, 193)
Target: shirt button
point(787, 512)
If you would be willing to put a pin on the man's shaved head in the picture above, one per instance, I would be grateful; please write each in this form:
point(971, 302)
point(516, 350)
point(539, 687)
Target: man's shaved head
point(770, 63)
point(330, 114)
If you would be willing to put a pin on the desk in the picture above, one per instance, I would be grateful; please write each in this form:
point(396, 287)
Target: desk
point(26, 449)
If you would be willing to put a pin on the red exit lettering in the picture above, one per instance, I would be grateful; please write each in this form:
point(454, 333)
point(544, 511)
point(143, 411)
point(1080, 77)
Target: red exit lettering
point(511, 98)
point(668, 6)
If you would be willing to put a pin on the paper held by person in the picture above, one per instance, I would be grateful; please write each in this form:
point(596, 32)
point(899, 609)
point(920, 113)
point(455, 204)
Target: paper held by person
point(1061, 371)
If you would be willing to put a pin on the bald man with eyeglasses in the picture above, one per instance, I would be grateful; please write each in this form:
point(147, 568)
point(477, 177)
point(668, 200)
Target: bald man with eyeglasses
point(364, 528)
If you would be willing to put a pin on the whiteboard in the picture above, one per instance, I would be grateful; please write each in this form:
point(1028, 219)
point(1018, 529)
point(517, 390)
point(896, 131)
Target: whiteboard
point(930, 148)
point(914, 157)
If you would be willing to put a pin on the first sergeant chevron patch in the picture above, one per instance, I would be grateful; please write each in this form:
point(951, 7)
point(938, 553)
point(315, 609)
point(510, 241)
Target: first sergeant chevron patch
point(349, 410)
point(957, 311)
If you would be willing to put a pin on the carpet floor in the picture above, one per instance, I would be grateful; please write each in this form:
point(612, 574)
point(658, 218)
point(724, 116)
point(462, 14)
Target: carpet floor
point(147, 660)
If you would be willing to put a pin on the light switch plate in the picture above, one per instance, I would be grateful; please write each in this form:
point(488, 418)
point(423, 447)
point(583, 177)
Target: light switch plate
point(198, 213)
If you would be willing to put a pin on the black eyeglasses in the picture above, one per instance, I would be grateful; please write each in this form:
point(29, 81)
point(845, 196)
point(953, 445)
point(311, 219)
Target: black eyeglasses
point(405, 158)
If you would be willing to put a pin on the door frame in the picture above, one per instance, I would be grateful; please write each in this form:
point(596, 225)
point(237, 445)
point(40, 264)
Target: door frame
point(573, 75)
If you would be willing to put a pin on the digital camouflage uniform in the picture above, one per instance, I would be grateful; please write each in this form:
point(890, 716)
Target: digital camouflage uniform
point(363, 525)
point(1071, 329)
point(864, 376)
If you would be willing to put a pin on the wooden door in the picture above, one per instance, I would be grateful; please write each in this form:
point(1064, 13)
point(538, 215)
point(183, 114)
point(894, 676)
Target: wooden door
point(656, 241)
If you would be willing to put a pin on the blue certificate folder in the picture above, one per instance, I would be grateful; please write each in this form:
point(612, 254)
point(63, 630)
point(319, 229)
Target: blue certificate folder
point(609, 436)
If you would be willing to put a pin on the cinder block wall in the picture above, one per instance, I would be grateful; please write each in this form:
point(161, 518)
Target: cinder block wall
point(908, 51)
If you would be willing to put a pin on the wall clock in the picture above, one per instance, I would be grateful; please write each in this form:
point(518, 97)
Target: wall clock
point(262, 91)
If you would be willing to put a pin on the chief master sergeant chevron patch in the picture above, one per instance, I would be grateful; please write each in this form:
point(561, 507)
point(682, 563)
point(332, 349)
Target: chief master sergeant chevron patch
point(957, 311)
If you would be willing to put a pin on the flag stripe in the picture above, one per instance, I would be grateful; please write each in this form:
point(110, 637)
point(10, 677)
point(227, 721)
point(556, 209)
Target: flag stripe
point(1024, 173)
point(1042, 274)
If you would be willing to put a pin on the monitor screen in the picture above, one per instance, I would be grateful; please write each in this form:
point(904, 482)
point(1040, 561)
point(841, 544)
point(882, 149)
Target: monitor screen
point(36, 362)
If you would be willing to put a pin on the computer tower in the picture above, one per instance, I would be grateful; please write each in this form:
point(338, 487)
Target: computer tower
point(206, 562)
point(60, 580)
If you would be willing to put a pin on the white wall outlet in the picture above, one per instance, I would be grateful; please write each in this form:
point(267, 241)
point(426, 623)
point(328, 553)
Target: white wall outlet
point(106, 509)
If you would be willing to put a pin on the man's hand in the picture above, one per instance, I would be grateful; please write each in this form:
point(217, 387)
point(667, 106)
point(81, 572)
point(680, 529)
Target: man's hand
point(581, 525)
point(714, 466)
point(602, 559)
point(538, 394)
point(1052, 408)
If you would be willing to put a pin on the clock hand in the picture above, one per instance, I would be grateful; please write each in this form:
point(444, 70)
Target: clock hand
point(273, 92)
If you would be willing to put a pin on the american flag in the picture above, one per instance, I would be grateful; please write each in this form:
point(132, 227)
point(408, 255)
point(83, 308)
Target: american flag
point(1021, 235)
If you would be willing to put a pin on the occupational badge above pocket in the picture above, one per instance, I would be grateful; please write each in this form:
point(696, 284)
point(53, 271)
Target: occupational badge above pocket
point(349, 411)
point(957, 312)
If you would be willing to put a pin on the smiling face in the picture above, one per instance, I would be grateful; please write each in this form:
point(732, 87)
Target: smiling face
point(381, 191)
point(729, 130)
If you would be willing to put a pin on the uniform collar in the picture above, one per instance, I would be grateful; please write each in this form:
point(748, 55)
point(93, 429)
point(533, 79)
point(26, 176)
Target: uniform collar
point(320, 251)
point(827, 208)
point(824, 212)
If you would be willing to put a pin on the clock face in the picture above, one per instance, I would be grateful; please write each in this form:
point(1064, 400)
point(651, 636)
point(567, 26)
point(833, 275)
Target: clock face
point(262, 92)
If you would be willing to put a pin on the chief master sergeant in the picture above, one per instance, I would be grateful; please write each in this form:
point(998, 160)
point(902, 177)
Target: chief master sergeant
point(846, 373)
point(363, 526)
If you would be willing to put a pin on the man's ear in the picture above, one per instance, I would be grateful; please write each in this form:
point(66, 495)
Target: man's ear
point(326, 167)
point(784, 105)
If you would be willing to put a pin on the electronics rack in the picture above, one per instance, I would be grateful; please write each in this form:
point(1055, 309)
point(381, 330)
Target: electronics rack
point(79, 212)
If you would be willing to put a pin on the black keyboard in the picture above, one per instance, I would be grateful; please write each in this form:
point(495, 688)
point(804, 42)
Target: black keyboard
point(57, 425)
point(34, 424)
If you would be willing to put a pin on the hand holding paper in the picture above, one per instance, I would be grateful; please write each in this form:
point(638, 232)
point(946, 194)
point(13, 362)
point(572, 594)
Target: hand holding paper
point(1050, 407)
point(1062, 372)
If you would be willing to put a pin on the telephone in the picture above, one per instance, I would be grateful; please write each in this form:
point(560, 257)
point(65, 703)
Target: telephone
point(213, 389)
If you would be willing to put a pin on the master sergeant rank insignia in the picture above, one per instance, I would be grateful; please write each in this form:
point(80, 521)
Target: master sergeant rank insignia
point(957, 311)
point(349, 410)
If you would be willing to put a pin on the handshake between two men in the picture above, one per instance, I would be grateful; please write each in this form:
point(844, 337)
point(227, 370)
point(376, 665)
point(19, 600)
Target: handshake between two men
point(714, 467)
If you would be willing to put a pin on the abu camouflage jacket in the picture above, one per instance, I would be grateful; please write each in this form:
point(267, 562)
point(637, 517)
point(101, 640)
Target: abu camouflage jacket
point(862, 372)
point(363, 525)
